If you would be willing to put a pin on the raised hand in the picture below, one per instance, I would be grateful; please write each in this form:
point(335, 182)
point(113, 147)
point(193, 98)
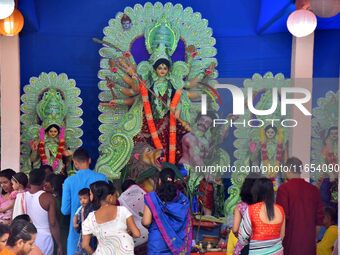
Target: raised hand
point(191, 50)
point(126, 66)
point(34, 145)
point(67, 153)
point(210, 70)
point(112, 103)
point(109, 83)
point(112, 63)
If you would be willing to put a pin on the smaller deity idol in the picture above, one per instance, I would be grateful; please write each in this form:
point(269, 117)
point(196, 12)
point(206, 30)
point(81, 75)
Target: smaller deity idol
point(51, 149)
point(51, 122)
point(270, 152)
point(330, 146)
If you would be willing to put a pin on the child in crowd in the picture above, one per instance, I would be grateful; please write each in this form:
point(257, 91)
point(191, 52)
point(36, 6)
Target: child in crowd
point(325, 246)
point(80, 215)
point(84, 199)
point(110, 223)
point(4, 234)
point(19, 183)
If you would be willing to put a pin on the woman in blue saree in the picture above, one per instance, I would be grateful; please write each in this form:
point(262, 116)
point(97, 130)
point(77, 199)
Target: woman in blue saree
point(167, 214)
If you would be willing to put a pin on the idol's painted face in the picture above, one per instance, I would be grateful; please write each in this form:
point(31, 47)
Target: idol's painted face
point(270, 133)
point(53, 132)
point(333, 134)
point(204, 123)
point(126, 24)
point(162, 70)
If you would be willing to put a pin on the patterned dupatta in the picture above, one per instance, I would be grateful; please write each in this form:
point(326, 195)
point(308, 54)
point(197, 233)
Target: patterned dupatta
point(133, 200)
point(173, 221)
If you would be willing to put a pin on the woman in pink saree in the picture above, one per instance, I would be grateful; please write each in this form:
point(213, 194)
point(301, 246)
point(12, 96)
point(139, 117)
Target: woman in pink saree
point(6, 203)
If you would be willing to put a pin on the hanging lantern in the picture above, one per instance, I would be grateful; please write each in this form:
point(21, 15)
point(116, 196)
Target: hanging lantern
point(301, 23)
point(6, 8)
point(13, 24)
point(325, 8)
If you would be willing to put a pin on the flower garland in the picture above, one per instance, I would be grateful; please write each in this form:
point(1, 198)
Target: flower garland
point(172, 135)
point(151, 124)
point(149, 117)
point(61, 148)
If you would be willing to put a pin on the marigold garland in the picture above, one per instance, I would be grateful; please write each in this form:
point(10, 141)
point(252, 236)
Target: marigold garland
point(151, 124)
point(149, 117)
point(172, 134)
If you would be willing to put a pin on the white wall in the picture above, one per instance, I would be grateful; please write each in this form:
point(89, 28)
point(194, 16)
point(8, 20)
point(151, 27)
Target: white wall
point(10, 102)
point(301, 75)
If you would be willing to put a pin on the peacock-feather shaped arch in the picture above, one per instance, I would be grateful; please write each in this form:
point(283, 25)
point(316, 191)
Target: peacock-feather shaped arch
point(324, 152)
point(248, 138)
point(66, 112)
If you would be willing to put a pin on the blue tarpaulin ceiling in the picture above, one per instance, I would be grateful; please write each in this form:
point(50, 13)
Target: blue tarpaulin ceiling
point(251, 37)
